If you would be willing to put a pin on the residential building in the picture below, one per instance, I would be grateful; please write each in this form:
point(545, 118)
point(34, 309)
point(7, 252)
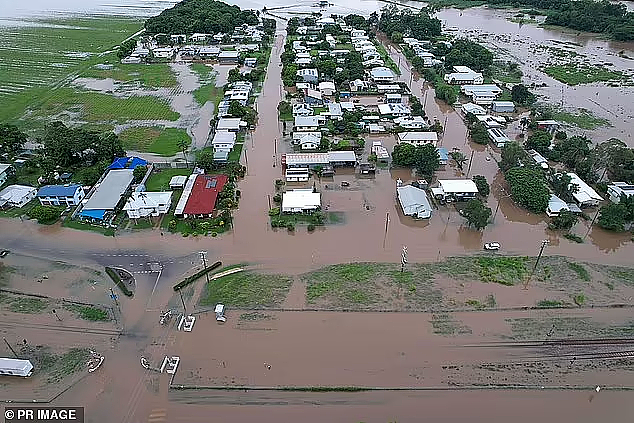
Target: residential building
point(306, 123)
point(230, 124)
point(60, 195)
point(108, 194)
point(474, 109)
point(208, 52)
point(301, 201)
point(309, 142)
point(250, 62)
point(327, 88)
point(483, 89)
point(616, 190)
point(5, 172)
point(393, 98)
point(417, 138)
point(491, 121)
point(199, 195)
point(394, 110)
point(302, 109)
point(178, 181)
point(223, 140)
point(373, 62)
point(178, 38)
point(585, 195)
point(358, 85)
point(538, 158)
point(297, 136)
point(312, 160)
point(334, 111)
point(555, 206)
point(16, 196)
point(548, 125)
point(414, 202)
point(498, 137)
point(297, 174)
point(146, 204)
point(374, 128)
point(388, 88)
point(313, 97)
point(228, 56)
point(342, 158)
point(308, 75)
point(503, 106)
point(198, 37)
point(221, 156)
point(411, 122)
point(483, 98)
point(464, 75)
point(164, 52)
point(382, 75)
point(455, 189)
point(357, 33)
point(381, 152)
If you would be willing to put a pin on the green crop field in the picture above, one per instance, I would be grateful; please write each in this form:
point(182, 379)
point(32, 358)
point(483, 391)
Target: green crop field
point(157, 75)
point(51, 53)
point(154, 140)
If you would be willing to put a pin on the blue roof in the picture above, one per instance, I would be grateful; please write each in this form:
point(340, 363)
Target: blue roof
point(94, 214)
point(127, 163)
point(58, 190)
point(443, 153)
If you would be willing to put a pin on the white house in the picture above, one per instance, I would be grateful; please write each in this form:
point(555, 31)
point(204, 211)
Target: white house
point(198, 37)
point(483, 98)
point(145, 204)
point(503, 106)
point(411, 122)
point(388, 88)
point(163, 52)
point(618, 189)
point(60, 195)
point(302, 109)
point(16, 196)
point(498, 137)
point(585, 195)
point(555, 206)
point(418, 138)
point(484, 89)
point(474, 109)
point(223, 140)
point(228, 56)
point(308, 75)
point(178, 181)
point(327, 87)
point(394, 110)
point(300, 201)
point(306, 123)
point(358, 85)
point(357, 33)
point(313, 97)
point(458, 189)
point(250, 61)
point(393, 98)
point(209, 51)
point(538, 158)
point(334, 110)
point(464, 75)
point(382, 75)
point(5, 170)
point(309, 142)
point(414, 202)
point(297, 136)
point(230, 124)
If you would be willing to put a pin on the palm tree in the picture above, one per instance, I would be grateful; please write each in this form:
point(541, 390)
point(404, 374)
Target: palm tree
point(183, 144)
point(459, 158)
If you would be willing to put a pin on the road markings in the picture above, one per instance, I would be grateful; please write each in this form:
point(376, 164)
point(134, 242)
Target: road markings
point(157, 415)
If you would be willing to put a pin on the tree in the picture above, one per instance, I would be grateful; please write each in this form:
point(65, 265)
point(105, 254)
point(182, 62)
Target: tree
point(44, 214)
point(513, 155)
point(478, 133)
point(482, 185)
point(397, 37)
point(11, 140)
point(284, 108)
point(446, 92)
point(477, 214)
point(427, 160)
point(539, 141)
point(234, 75)
point(612, 217)
point(183, 144)
point(138, 173)
point(459, 158)
point(465, 52)
point(354, 65)
point(404, 155)
point(565, 220)
point(356, 21)
point(571, 151)
point(528, 188)
point(616, 159)
point(416, 107)
point(326, 67)
point(126, 48)
point(560, 182)
point(521, 95)
point(205, 160)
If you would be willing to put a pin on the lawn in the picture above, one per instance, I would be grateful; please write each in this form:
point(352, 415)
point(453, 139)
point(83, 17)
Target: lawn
point(23, 304)
point(246, 290)
point(582, 118)
point(75, 224)
point(161, 141)
point(150, 76)
point(159, 180)
point(575, 74)
point(387, 58)
point(506, 72)
point(95, 107)
point(208, 92)
point(93, 314)
point(235, 153)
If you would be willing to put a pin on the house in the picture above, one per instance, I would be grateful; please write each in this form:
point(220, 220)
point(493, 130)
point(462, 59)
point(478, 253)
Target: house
point(414, 202)
point(198, 37)
point(228, 56)
point(164, 52)
point(538, 158)
point(178, 38)
point(411, 122)
point(230, 124)
point(331, 40)
point(491, 121)
point(382, 75)
point(302, 109)
point(464, 75)
point(347, 105)
point(455, 189)
point(503, 106)
point(373, 62)
point(209, 52)
point(303, 61)
point(60, 195)
point(358, 85)
point(342, 158)
point(250, 62)
point(221, 156)
point(357, 33)
point(616, 191)
point(297, 174)
point(308, 75)
point(312, 97)
point(146, 204)
point(309, 142)
point(491, 89)
point(327, 87)
point(297, 136)
point(394, 110)
point(223, 140)
point(108, 194)
point(313, 160)
point(374, 128)
point(497, 137)
point(131, 60)
point(16, 196)
point(585, 195)
point(199, 195)
point(474, 109)
point(417, 138)
point(388, 88)
point(325, 21)
point(252, 48)
point(306, 123)
point(334, 111)
point(300, 201)
point(483, 98)
point(380, 151)
point(555, 206)
point(443, 155)
point(392, 98)
point(5, 171)
point(548, 125)
point(178, 181)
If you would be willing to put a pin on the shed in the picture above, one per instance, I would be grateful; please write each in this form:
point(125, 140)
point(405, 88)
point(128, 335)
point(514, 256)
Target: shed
point(300, 201)
point(414, 202)
point(418, 138)
point(108, 193)
point(178, 181)
point(555, 206)
point(503, 106)
point(459, 189)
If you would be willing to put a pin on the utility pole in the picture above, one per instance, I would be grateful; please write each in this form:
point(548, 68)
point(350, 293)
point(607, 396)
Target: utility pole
point(180, 291)
point(591, 223)
point(55, 313)
point(9, 345)
point(403, 258)
point(203, 257)
point(269, 201)
point(470, 161)
point(387, 222)
point(545, 242)
point(496, 211)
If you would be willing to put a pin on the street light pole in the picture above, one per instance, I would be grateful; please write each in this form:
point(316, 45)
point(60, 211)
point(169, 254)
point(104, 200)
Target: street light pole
point(203, 256)
point(545, 242)
point(180, 291)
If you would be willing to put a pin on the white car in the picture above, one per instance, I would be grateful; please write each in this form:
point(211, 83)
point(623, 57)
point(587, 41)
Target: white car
point(220, 313)
point(492, 246)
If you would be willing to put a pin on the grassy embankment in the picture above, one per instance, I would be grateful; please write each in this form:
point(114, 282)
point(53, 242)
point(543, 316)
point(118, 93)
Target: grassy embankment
point(161, 141)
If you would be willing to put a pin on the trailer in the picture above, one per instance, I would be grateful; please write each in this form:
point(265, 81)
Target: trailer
point(15, 367)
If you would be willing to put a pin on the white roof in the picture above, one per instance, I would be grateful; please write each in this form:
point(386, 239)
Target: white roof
point(347, 105)
point(585, 192)
point(306, 121)
point(228, 54)
point(310, 138)
point(307, 159)
point(556, 204)
point(15, 193)
point(342, 156)
point(326, 21)
point(547, 122)
point(313, 93)
point(474, 109)
point(325, 85)
point(300, 135)
point(418, 136)
point(224, 137)
point(413, 201)
point(410, 120)
point(109, 192)
point(178, 181)
point(504, 103)
point(450, 186)
point(228, 123)
point(382, 72)
point(392, 95)
point(303, 199)
point(182, 202)
point(463, 69)
point(335, 109)
point(393, 108)
point(3, 167)
point(147, 200)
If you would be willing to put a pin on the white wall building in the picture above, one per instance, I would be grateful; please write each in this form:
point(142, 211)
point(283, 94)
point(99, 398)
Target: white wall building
point(16, 196)
point(145, 204)
point(300, 201)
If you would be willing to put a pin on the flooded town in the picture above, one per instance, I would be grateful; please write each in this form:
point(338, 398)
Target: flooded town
point(365, 211)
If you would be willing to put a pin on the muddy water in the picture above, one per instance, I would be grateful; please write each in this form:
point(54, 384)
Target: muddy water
point(520, 42)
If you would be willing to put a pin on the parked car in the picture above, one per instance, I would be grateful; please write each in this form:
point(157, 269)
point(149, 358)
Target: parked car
point(220, 313)
point(492, 246)
point(345, 183)
point(4, 253)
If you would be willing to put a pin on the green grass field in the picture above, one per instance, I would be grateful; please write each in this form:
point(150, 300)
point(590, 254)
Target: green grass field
point(575, 74)
point(159, 181)
point(207, 90)
point(152, 76)
point(246, 289)
point(154, 140)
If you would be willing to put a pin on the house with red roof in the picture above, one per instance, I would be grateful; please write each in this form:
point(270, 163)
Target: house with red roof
point(199, 195)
